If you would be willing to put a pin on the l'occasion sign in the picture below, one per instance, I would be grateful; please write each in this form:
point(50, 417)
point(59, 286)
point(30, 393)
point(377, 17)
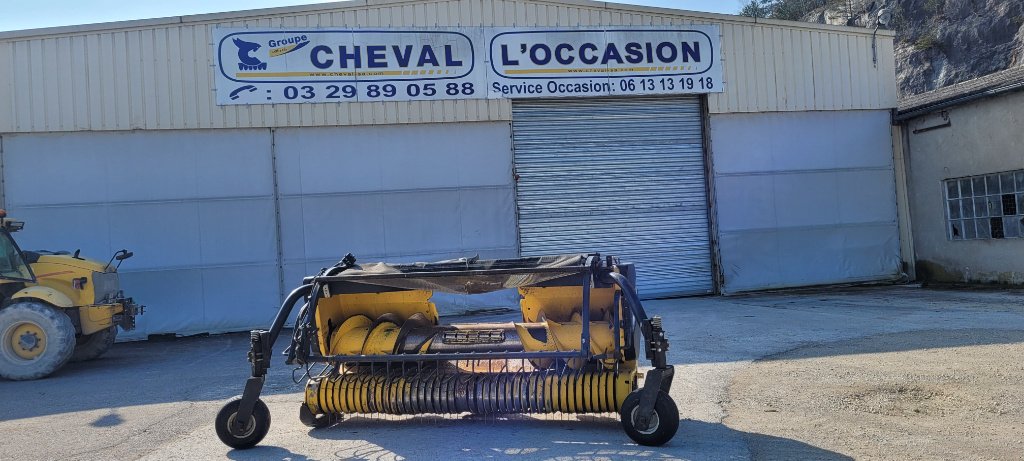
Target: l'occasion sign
point(272, 66)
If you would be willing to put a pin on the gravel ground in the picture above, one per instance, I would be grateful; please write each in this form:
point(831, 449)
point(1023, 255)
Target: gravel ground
point(918, 395)
point(157, 400)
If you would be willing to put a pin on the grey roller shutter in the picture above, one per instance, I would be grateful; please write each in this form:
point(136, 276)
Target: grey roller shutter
point(617, 176)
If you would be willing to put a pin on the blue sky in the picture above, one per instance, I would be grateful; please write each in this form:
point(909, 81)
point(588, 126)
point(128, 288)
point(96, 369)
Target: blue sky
point(30, 14)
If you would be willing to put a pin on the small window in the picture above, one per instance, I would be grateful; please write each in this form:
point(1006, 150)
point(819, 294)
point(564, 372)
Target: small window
point(985, 206)
point(965, 185)
point(969, 230)
point(1011, 228)
point(1009, 205)
point(979, 186)
point(1006, 182)
point(980, 207)
point(992, 182)
point(952, 189)
point(995, 205)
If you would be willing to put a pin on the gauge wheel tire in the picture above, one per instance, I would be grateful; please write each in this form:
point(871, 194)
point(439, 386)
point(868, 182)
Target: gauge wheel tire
point(36, 339)
point(308, 419)
point(252, 433)
point(89, 347)
point(665, 424)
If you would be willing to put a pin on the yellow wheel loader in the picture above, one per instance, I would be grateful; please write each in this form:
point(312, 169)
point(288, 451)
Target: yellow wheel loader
point(57, 307)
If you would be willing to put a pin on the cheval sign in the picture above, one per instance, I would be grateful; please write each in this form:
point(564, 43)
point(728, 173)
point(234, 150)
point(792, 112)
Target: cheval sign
point(270, 66)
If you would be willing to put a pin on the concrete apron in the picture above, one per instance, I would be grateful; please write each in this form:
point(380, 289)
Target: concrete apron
point(162, 396)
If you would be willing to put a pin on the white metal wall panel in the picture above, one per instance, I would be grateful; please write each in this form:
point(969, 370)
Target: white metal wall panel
point(395, 193)
point(156, 74)
point(7, 109)
point(196, 207)
point(623, 177)
point(796, 209)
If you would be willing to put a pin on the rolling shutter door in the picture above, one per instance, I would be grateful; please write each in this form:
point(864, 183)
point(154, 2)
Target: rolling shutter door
point(621, 177)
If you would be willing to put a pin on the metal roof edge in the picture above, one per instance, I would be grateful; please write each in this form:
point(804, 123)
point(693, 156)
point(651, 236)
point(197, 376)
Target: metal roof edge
point(349, 4)
point(914, 112)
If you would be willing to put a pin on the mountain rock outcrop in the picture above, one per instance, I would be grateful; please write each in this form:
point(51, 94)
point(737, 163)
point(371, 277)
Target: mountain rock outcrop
point(940, 42)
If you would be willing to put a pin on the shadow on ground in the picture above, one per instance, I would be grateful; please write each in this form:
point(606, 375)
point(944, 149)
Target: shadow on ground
point(144, 373)
point(902, 342)
point(522, 437)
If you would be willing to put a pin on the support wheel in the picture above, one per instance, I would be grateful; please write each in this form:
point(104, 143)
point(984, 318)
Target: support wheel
point(36, 339)
point(251, 433)
point(308, 419)
point(89, 347)
point(663, 424)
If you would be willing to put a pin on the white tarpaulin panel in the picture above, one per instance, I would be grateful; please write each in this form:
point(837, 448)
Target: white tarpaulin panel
point(797, 208)
point(196, 208)
point(622, 177)
point(274, 66)
point(395, 194)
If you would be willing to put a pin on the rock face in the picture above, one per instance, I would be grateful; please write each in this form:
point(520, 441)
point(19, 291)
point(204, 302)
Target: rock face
point(940, 42)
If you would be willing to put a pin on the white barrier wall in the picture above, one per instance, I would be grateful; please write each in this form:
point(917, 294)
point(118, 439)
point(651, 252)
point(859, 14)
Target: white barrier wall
point(804, 198)
point(198, 208)
point(396, 193)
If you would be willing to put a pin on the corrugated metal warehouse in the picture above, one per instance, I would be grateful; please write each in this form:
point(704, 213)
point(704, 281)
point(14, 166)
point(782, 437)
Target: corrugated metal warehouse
point(753, 155)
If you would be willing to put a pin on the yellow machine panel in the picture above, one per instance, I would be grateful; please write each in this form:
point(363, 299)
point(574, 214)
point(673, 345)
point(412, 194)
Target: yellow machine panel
point(559, 303)
point(57, 307)
point(333, 311)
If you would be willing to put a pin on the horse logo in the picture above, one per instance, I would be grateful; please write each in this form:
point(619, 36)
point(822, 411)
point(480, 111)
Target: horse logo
point(247, 61)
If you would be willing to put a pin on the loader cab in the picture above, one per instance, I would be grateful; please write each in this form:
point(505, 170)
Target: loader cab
point(13, 266)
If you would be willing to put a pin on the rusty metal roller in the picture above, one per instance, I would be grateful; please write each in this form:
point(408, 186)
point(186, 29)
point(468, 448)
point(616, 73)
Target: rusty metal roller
point(569, 391)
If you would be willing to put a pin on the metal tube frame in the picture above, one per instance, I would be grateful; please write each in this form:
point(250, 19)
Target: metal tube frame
point(569, 270)
point(262, 341)
point(260, 351)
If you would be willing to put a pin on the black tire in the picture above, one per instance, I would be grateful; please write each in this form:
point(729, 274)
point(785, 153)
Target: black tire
point(664, 426)
point(252, 433)
point(26, 326)
point(308, 419)
point(89, 347)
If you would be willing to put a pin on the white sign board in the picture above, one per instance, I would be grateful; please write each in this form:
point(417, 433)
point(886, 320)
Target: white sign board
point(273, 66)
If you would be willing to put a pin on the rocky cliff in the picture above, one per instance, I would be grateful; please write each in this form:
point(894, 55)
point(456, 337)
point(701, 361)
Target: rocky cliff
point(940, 42)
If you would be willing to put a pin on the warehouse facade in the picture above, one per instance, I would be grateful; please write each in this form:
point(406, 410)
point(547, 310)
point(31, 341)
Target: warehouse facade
point(768, 163)
point(966, 179)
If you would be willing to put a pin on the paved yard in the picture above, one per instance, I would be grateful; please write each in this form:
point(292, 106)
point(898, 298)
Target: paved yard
point(815, 374)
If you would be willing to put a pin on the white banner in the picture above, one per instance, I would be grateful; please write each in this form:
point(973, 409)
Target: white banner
point(273, 66)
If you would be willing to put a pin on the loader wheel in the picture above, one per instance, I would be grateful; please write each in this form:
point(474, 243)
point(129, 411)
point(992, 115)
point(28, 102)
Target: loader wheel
point(92, 346)
point(36, 339)
point(663, 425)
point(308, 419)
point(251, 433)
